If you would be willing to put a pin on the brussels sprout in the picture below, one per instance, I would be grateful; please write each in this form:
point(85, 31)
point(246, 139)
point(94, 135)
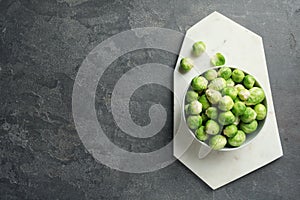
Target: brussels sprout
point(238, 139)
point(198, 48)
point(204, 118)
point(224, 72)
point(230, 91)
point(217, 142)
point(230, 82)
point(191, 96)
point(217, 84)
point(201, 134)
point(199, 83)
point(244, 94)
point(212, 112)
point(186, 108)
point(212, 127)
point(248, 116)
point(205, 103)
point(213, 96)
point(226, 118)
point(237, 99)
point(225, 103)
point(186, 64)
point(249, 128)
point(236, 121)
point(195, 107)
point(239, 87)
point(261, 111)
point(217, 60)
point(194, 121)
point(238, 108)
point(237, 75)
point(211, 74)
point(230, 130)
point(257, 95)
point(249, 81)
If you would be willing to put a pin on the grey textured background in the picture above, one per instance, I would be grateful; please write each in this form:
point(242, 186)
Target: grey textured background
point(42, 44)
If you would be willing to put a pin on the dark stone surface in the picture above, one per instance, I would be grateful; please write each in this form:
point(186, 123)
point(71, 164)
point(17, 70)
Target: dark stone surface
point(43, 43)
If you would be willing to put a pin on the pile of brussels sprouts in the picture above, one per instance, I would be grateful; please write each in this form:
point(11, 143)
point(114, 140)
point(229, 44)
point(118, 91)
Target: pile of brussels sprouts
point(223, 106)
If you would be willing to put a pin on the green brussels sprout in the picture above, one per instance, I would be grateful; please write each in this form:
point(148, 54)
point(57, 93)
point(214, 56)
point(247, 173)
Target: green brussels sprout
point(217, 84)
point(199, 83)
point(257, 95)
point(237, 75)
point(230, 82)
point(217, 142)
point(191, 96)
point(211, 74)
point(230, 130)
point(212, 127)
point(239, 87)
point(249, 81)
point(198, 48)
point(238, 108)
point(237, 99)
point(238, 139)
point(186, 64)
point(236, 121)
point(248, 116)
point(205, 103)
point(226, 118)
point(218, 59)
point(244, 94)
point(186, 108)
point(249, 128)
point(212, 112)
point(224, 72)
point(201, 134)
point(194, 121)
point(225, 103)
point(213, 96)
point(195, 107)
point(261, 111)
point(204, 118)
point(230, 91)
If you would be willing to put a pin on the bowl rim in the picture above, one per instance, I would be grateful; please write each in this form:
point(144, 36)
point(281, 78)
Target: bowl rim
point(201, 72)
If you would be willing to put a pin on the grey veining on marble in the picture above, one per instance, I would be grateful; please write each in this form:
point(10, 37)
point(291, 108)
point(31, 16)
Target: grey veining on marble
point(42, 45)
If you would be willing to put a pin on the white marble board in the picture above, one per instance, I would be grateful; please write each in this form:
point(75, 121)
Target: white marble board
point(241, 48)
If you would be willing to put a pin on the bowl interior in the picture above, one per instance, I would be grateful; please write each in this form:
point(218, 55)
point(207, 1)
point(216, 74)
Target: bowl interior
point(249, 137)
